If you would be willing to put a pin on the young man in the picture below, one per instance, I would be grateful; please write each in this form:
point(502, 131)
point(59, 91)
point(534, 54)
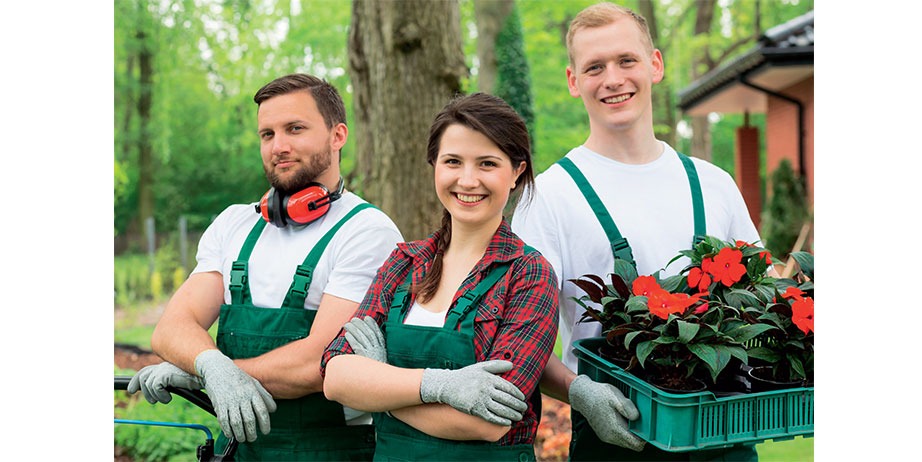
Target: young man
point(646, 188)
point(281, 279)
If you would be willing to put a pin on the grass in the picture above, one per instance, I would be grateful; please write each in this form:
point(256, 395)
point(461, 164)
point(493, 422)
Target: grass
point(799, 449)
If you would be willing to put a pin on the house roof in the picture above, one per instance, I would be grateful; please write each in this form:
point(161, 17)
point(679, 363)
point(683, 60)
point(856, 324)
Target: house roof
point(782, 56)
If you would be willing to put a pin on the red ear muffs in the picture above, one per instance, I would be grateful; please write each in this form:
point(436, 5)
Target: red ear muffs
point(301, 208)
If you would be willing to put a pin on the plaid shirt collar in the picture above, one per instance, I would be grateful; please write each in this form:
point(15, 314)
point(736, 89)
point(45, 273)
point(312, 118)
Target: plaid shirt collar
point(503, 247)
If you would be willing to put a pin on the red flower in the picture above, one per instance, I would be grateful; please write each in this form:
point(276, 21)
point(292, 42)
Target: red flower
point(793, 292)
point(766, 256)
point(803, 314)
point(697, 299)
point(698, 278)
point(727, 267)
point(645, 285)
point(741, 244)
point(662, 303)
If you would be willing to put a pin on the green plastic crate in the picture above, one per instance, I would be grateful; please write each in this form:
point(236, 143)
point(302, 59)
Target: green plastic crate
point(685, 422)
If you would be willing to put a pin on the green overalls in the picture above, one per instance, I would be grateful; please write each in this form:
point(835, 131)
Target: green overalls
point(448, 347)
point(585, 445)
point(306, 428)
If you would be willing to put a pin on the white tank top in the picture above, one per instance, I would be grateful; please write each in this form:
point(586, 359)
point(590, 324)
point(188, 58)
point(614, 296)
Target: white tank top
point(419, 316)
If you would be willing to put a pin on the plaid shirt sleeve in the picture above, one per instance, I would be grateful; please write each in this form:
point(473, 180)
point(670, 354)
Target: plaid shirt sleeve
point(376, 303)
point(525, 333)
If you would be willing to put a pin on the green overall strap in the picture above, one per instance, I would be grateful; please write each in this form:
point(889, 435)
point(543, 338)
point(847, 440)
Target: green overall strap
point(297, 293)
point(239, 285)
point(458, 315)
point(619, 245)
point(697, 199)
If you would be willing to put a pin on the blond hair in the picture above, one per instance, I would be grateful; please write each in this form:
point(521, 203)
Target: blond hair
point(603, 14)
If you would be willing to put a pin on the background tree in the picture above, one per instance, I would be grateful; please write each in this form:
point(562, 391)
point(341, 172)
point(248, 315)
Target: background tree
point(490, 16)
point(701, 64)
point(513, 77)
point(786, 213)
point(664, 116)
point(208, 57)
point(406, 62)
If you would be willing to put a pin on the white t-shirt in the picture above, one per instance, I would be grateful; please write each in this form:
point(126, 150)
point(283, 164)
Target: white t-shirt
point(345, 270)
point(651, 205)
point(419, 316)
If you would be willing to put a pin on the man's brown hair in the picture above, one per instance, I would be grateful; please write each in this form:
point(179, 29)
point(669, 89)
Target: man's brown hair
point(603, 14)
point(328, 101)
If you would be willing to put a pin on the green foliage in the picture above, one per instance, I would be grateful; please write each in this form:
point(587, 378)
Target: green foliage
point(156, 285)
point(786, 212)
point(513, 82)
point(158, 443)
point(722, 305)
point(132, 273)
point(210, 57)
point(135, 282)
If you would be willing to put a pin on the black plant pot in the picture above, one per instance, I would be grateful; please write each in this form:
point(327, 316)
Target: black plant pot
point(617, 356)
point(731, 381)
point(692, 385)
point(761, 380)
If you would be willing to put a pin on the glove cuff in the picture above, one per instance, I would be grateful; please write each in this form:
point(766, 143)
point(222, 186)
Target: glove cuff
point(429, 386)
point(577, 392)
point(208, 357)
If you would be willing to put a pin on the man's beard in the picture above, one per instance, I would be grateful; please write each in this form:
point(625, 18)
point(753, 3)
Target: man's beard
point(307, 172)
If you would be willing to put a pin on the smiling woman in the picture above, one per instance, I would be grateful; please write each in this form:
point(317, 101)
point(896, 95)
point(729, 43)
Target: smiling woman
point(473, 178)
point(475, 359)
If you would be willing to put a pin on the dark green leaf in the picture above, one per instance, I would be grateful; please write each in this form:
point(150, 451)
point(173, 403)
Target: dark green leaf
point(739, 298)
point(710, 356)
point(625, 270)
point(805, 261)
point(637, 304)
point(764, 354)
point(643, 351)
point(672, 283)
point(687, 331)
point(748, 332)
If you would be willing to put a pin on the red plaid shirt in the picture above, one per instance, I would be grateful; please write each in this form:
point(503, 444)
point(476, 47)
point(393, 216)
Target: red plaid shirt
point(516, 320)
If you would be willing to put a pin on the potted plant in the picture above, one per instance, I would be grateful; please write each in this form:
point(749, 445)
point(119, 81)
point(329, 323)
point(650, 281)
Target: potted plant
point(783, 356)
point(699, 324)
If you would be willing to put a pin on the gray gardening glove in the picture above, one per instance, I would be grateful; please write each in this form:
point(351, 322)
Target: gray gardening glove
point(607, 411)
point(476, 390)
point(366, 338)
point(240, 401)
point(153, 380)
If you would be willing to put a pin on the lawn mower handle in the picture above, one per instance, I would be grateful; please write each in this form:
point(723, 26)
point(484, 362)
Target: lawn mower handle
point(198, 398)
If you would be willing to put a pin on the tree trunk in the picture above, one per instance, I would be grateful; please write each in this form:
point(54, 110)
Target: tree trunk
point(664, 119)
point(489, 15)
point(145, 150)
point(701, 127)
point(406, 61)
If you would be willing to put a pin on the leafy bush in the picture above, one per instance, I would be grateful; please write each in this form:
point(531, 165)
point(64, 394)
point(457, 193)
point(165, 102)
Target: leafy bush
point(134, 281)
point(785, 213)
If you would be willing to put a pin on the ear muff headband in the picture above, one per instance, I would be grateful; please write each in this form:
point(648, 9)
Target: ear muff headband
point(301, 208)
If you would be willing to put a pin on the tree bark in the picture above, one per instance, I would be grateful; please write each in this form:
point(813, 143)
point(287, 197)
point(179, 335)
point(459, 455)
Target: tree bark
point(701, 127)
point(406, 61)
point(664, 118)
point(145, 102)
point(489, 16)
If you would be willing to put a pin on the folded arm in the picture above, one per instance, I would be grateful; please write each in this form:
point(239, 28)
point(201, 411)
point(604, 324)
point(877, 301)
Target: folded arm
point(368, 385)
